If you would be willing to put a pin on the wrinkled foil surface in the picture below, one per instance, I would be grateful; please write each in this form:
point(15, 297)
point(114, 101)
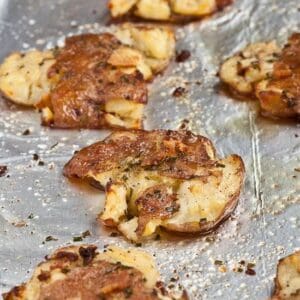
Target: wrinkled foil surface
point(36, 201)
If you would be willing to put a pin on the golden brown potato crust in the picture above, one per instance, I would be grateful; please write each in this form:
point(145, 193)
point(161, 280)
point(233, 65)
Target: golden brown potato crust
point(281, 95)
point(170, 152)
point(160, 178)
point(83, 273)
point(287, 282)
point(86, 82)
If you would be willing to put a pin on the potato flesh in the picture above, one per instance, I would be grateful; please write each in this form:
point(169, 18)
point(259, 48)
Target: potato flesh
point(193, 7)
point(153, 9)
point(157, 44)
point(205, 201)
point(163, 9)
point(288, 278)
point(23, 77)
point(124, 113)
point(199, 199)
point(120, 7)
point(253, 64)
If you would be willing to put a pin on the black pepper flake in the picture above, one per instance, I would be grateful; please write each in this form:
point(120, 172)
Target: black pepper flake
point(183, 56)
point(41, 163)
point(179, 92)
point(35, 156)
point(138, 244)
point(297, 169)
point(3, 170)
point(250, 272)
point(87, 254)
point(26, 132)
point(50, 238)
point(31, 216)
point(184, 124)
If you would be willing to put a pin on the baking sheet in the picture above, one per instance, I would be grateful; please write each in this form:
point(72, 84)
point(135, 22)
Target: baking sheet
point(37, 202)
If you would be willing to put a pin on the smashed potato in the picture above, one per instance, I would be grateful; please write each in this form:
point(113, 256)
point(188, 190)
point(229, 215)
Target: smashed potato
point(166, 10)
point(81, 272)
point(269, 74)
point(242, 71)
point(162, 179)
point(279, 94)
point(94, 81)
point(287, 282)
point(23, 76)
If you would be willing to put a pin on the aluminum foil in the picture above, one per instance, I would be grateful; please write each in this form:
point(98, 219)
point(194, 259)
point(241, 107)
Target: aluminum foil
point(37, 202)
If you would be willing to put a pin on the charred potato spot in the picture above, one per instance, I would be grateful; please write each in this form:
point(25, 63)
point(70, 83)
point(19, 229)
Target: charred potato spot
point(287, 282)
point(115, 274)
point(160, 179)
point(23, 77)
point(166, 10)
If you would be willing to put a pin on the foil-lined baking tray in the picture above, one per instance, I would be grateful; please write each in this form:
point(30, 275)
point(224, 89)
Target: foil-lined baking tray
point(40, 210)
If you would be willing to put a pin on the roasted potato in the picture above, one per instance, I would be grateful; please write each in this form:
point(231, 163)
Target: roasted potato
point(269, 74)
point(23, 76)
point(160, 179)
point(94, 81)
point(90, 92)
point(287, 282)
point(166, 10)
point(279, 94)
point(244, 70)
point(80, 272)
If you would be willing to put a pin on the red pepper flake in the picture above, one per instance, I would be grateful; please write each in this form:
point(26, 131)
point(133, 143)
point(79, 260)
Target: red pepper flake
point(183, 56)
point(3, 170)
point(178, 92)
